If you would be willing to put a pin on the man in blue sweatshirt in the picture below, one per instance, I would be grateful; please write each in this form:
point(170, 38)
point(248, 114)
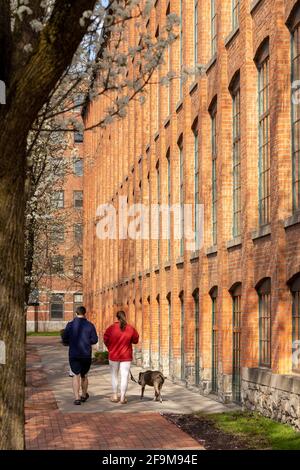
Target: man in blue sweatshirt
point(79, 335)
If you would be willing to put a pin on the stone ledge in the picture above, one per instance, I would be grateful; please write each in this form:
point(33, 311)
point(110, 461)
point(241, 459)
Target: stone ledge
point(237, 241)
point(180, 262)
point(258, 376)
point(156, 136)
point(261, 232)
point(253, 5)
point(195, 255)
point(156, 269)
point(212, 250)
point(179, 106)
point(231, 36)
point(293, 220)
point(167, 121)
point(167, 265)
point(193, 87)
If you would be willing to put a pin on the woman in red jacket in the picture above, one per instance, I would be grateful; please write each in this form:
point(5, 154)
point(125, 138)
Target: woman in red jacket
point(118, 338)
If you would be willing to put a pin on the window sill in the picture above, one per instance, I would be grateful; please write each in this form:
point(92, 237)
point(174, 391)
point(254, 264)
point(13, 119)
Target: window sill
point(293, 220)
point(167, 266)
point(231, 36)
point(254, 5)
point(212, 250)
point(147, 148)
point(147, 273)
point(156, 269)
point(180, 262)
point(167, 121)
point(235, 242)
point(179, 106)
point(195, 255)
point(211, 63)
point(261, 232)
point(193, 88)
point(156, 136)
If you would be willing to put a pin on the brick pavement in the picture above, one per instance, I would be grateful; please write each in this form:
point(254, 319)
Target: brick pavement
point(48, 428)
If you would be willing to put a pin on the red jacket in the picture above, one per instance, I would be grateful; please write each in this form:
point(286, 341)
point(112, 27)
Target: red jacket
point(119, 343)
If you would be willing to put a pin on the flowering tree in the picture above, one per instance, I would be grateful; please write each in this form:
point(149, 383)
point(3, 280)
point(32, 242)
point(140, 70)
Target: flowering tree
point(49, 48)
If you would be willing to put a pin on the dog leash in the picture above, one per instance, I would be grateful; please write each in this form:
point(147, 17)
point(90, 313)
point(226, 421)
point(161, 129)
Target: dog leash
point(132, 378)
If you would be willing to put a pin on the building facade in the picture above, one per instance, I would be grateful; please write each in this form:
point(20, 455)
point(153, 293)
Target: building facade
point(59, 291)
point(224, 318)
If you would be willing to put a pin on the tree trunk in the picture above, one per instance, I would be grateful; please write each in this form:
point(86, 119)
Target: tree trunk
point(12, 315)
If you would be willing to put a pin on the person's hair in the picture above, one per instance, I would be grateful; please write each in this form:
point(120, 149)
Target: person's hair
point(121, 316)
point(81, 310)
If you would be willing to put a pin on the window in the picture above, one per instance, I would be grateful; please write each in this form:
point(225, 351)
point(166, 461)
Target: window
point(78, 232)
point(295, 290)
point(169, 297)
point(169, 67)
point(78, 268)
point(262, 62)
point(78, 137)
point(158, 213)
point(57, 307)
point(157, 88)
point(57, 264)
point(196, 187)
point(214, 152)
point(236, 293)
point(214, 340)
point(77, 301)
point(169, 203)
point(196, 43)
point(213, 27)
point(181, 194)
point(235, 13)
point(182, 330)
point(296, 113)
point(197, 337)
point(236, 158)
point(78, 199)
point(264, 296)
point(57, 234)
point(78, 166)
point(159, 330)
point(181, 48)
point(58, 199)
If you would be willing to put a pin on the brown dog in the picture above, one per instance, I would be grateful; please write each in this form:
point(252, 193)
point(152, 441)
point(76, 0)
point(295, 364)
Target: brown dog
point(153, 379)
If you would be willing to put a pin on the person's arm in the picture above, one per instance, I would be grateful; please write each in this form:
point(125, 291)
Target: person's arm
point(135, 337)
point(106, 336)
point(66, 335)
point(94, 336)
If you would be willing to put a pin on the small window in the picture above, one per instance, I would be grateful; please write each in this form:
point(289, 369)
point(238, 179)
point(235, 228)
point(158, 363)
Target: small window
point(78, 199)
point(57, 264)
point(58, 199)
point(57, 307)
point(78, 166)
point(78, 137)
point(78, 232)
point(78, 265)
point(77, 301)
point(58, 234)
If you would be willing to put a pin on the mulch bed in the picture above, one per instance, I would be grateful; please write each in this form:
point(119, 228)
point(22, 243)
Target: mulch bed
point(205, 432)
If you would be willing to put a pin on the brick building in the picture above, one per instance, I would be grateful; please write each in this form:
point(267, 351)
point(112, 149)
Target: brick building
point(223, 318)
point(59, 291)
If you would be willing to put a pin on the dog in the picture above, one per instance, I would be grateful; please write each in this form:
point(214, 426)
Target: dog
point(153, 379)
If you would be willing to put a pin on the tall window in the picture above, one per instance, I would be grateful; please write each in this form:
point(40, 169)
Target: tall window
point(158, 214)
point(214, 340)
point(197, 337)
point(236, 342)
point(78, 166)
point(169, 202)
point(181, 194)
point(264, 136)
point(236, 158)
point(235, 13)
point(157, 88)
point(182, 342)
point(213, 27)
point(196, 43)
point(264, 299)
point(58, 199)
point(169, 67)
point(78, 265)
point(57, 264)
point(170, 328)
point(78, 199)
point(57, 233)
point(158, 329)
point(78, 232)
point(296, 113)
point(214, 152)
point(77, 301)
point(196, 187)
point(181, 48)
point(295, 290)
point(57, 307)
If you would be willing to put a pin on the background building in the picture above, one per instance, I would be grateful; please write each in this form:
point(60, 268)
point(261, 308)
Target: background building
point(224, 318)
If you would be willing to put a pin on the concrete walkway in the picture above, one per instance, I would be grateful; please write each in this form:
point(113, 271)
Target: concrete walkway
point(53, 422)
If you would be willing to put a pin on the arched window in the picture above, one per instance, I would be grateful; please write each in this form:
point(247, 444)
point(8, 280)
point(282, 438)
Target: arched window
point(234, 89)
point(181, 192)
point(169, 300)
point(293, 24)
point(168, 157)
point(196, 184)
point(214, 339)
point(182, 342)
point(294, 285)
point(158, 329)
point(214, 153)
point(197, 336)
point(236, 294)
point(263, 289)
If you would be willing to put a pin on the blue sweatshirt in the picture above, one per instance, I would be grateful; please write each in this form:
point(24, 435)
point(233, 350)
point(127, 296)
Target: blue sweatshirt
point(80, 334)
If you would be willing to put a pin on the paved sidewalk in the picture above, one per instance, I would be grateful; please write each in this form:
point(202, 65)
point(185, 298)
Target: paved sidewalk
point(53, 422)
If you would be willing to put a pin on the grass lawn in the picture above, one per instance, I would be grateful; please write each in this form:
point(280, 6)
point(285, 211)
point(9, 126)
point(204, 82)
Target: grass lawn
point(43, 333)
point(257, 431)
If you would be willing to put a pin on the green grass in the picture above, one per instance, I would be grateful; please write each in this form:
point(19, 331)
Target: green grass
point(43, 333)
point(259, 432)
